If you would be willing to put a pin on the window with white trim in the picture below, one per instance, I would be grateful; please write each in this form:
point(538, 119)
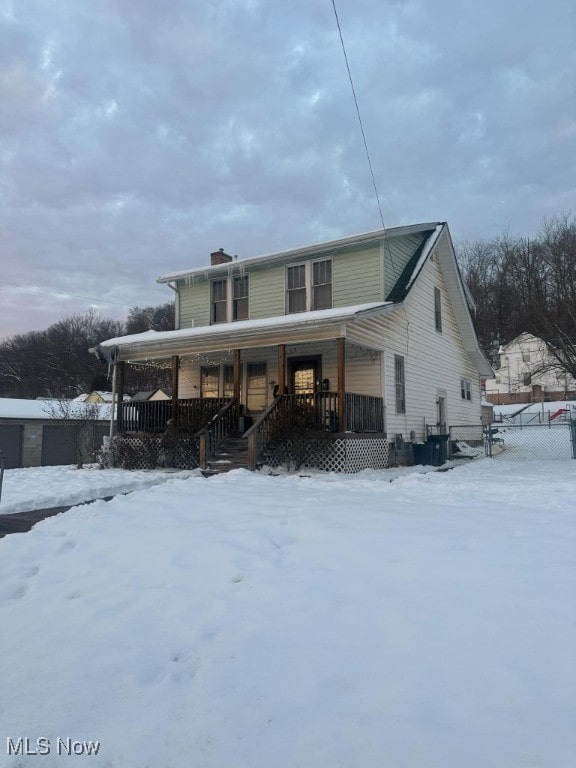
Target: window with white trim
point(400, 383)
point(240, 298)
point(466, 389)
point(219, 301)
point(229, 299)
point(322, 284)
point(209, 375)
point(296, 289)
point(309, 286)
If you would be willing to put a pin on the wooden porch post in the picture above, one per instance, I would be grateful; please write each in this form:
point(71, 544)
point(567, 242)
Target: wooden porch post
point(281, 369)
point(237, 374)
point(119, 396)
point(175, 373)
point(237, 385)
point(341, 351)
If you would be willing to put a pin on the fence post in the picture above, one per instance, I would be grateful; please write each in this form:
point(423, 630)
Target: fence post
point(252, 451)
point(202, 451)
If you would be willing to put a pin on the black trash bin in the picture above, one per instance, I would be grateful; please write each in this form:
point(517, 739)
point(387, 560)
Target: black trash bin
point(438, 449)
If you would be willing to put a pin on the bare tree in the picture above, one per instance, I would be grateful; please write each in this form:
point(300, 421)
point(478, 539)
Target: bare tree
point(79, 422)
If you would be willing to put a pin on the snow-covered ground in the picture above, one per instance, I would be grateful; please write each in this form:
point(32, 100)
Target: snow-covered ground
point(44, 487)
point(251, 621)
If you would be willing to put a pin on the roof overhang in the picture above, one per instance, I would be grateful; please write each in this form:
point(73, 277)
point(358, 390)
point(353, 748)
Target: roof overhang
point(270, 259)
point(320, 325)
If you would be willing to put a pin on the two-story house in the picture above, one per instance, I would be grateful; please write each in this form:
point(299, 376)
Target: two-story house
point(371, 336)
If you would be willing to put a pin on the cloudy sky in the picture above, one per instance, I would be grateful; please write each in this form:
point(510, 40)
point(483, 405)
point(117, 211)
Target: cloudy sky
point(137, 136)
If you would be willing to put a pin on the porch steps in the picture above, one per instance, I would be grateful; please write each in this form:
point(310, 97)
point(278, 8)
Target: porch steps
point(232, 454)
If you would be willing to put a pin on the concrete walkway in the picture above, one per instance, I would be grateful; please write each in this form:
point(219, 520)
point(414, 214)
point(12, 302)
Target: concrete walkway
point(20, 522)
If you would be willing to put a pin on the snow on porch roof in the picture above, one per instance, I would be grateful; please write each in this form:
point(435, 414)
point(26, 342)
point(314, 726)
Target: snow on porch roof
point(139, 345)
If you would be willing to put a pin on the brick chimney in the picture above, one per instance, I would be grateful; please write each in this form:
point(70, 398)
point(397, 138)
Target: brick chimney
point(219, 257)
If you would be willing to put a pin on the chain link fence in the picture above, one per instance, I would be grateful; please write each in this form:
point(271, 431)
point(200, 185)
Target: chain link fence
point(534, 441)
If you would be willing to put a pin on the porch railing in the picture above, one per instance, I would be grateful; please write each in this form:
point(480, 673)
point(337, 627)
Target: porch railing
point(222, 424)
point(313, 411)
point(153, 415)
point(264, 430)
point(364, 413)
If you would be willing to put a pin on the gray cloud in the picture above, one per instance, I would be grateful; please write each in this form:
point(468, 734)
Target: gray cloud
point(137, 137)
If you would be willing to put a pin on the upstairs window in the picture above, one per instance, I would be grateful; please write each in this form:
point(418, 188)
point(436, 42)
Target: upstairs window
point(229, 299)
point(322, 284)
point(240, 300)
point(400, 383)
point(296, 289)
point(309, 286)
point(438, 310)
point(219, 304)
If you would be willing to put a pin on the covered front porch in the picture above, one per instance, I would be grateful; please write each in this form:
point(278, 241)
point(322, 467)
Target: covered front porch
point(264, 388)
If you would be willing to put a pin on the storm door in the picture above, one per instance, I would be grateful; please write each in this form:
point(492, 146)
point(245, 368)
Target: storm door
point(304, 376)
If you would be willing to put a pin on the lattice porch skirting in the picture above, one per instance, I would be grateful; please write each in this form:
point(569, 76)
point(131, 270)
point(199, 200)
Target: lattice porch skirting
point(335, 453)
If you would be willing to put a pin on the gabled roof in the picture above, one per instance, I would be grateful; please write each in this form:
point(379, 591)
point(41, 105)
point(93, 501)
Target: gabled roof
point(414, 264)
point(365, 238)
point(420, 241)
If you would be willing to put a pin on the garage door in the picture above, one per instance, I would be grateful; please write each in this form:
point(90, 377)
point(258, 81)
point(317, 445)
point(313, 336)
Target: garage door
point(11, 444)
point(56, 446)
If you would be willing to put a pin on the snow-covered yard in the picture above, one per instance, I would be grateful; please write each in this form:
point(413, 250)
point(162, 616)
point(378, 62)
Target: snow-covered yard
point(250, 621)
point(44, 487)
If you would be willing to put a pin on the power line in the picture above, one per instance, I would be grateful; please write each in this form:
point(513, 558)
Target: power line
point(358, 113)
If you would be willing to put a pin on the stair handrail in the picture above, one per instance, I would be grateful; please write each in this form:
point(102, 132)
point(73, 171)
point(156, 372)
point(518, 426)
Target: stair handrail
point(219, 426)
point(257, 435)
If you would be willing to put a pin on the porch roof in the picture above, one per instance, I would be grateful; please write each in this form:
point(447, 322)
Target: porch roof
point(305, 326)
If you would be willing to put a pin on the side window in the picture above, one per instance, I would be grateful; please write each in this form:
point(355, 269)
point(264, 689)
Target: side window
point(438, 310)
point(296, 289)
point(466, 389)
point(400, 384)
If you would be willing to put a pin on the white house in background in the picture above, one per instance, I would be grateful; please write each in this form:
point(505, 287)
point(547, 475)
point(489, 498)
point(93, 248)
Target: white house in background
point(527, 372)
point(370, 336)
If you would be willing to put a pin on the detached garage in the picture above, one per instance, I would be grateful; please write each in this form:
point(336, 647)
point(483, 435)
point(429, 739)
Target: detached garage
point(30, 437)
point(11, 436)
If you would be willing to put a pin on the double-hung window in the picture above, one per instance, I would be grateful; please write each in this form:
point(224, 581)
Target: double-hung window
point(296, 289)
point(240, 298)
point(400, 383)
point(219, 304)
point(309, 286)
point(229, 299)
point(466, 389)
point(322, 284)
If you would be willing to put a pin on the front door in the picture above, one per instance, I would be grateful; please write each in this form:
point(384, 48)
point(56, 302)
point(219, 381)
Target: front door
point(304, 376)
